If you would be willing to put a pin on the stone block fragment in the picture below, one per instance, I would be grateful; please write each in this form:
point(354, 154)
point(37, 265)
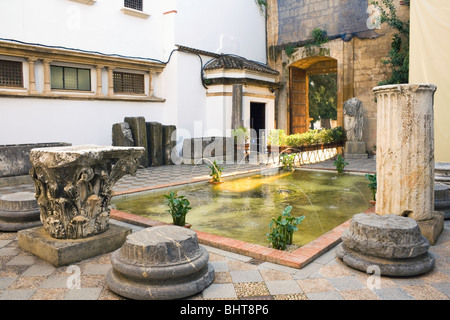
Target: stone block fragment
point(122, 135)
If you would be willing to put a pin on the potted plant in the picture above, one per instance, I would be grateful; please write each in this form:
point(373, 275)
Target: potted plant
point(372, 186)
point(216, 172)
point(241, 136)
point(179, 207)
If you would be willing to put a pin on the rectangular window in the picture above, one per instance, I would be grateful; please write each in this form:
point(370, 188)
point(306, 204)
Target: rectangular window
point(133, 4)
point(11, 73)
point(69, 78)
point(128, 83)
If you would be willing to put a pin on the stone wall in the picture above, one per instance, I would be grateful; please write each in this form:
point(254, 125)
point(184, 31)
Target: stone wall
point(296, 19)
point(359, 57)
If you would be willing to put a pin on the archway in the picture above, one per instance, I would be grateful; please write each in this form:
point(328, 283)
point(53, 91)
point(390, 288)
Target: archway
point(299, 84)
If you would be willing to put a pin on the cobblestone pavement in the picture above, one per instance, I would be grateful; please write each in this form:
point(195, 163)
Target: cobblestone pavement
point(24, 276)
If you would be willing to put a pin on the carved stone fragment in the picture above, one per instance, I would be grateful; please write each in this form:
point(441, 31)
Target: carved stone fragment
point(74, 185)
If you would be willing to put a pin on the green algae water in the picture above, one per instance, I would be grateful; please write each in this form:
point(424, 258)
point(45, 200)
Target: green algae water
point(242, 208)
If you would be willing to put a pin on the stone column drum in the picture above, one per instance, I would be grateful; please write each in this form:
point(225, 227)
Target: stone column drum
point(74, 186)
point(160, 263)
point(405, 150)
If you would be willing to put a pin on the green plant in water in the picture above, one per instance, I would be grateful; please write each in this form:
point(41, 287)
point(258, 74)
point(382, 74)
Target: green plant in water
point(216, 172)
point(287, 160)
point(372, 184)
point(340, 163)
point(282, 229)
point(179, 207)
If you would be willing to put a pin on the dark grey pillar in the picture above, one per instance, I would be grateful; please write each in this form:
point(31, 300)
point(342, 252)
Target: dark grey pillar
point(236, 113)
point(168, 133)
point(155, 147)
point(139, 131)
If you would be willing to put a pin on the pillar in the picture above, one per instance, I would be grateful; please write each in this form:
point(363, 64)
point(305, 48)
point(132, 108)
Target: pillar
point(47, 85)
point(32, 88)
point(405, 150)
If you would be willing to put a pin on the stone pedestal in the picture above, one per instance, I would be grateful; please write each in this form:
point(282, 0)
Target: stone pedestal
point(355, 150)
point(390, 242)
point(405, 150)
point(74, 186)
point(61, 252)
point(160, 263)
point(19, 211)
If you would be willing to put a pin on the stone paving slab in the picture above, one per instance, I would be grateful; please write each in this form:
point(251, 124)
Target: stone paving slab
point(25, 277)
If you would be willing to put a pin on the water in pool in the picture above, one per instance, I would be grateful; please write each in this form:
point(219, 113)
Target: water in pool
point(242, 208)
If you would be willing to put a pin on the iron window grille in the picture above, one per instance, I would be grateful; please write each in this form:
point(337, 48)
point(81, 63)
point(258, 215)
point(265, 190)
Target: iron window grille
point(128, 83)
point(11, 74)
point(134, 4)
point(70, 78)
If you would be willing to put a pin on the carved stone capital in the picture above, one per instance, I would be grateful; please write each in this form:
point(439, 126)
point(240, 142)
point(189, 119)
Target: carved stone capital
point(74, 186)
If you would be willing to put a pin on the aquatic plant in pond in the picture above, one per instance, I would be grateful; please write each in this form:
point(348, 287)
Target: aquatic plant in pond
point(216, 172)
point(282, 229)
point(179, 207)
point(241, 208)
point(340, 163)
point(372, 184)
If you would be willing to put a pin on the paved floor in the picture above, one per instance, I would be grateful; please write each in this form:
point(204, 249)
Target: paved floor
point(26, 277)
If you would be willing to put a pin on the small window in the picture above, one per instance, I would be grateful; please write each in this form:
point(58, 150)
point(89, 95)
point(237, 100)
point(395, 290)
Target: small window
point(11, 73)
point(133, 4)
point(128, 83)
point(68, 78)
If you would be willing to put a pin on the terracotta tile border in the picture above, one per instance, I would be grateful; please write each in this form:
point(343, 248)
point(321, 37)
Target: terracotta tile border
point(297, 259)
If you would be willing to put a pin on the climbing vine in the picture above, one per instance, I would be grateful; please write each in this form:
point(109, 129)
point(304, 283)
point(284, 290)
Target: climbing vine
point(262, 4)
point(398, 57)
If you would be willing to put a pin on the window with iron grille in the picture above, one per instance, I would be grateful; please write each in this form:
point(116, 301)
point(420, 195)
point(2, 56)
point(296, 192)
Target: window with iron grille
point(133, 4)
point(11, 73)
point(69, 78)
point(128, 83)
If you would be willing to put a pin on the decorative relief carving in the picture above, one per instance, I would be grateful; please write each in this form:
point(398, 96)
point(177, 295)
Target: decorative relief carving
point(74, 186)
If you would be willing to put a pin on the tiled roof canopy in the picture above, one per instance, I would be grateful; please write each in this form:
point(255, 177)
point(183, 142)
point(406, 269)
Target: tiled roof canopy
point(227, 61)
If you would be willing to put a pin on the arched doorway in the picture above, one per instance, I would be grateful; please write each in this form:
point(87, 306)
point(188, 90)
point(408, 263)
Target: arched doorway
point(299, 86)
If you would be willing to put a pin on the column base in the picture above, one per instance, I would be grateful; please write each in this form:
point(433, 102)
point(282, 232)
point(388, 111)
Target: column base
point(432, 228)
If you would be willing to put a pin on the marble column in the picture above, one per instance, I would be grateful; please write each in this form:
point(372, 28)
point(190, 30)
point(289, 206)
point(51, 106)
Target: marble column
point(405, 150)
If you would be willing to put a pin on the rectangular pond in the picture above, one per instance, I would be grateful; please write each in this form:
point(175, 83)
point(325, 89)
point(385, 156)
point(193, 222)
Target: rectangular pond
point(242, 207)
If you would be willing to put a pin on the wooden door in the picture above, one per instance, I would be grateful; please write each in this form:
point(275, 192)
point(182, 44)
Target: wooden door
point(298, 101)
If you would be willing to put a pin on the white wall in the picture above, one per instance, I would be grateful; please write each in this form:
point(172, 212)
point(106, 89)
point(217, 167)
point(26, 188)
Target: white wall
point(99, 27)
point(235, 27)
point(231, 27)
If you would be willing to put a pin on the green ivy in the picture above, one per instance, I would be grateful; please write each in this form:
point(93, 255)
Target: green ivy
point(398, 56)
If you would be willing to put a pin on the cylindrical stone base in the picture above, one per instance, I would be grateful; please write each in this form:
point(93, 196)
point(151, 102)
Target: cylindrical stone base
point(19, 211)
point(405, 150)
point(393, 243)
point(160, 263)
